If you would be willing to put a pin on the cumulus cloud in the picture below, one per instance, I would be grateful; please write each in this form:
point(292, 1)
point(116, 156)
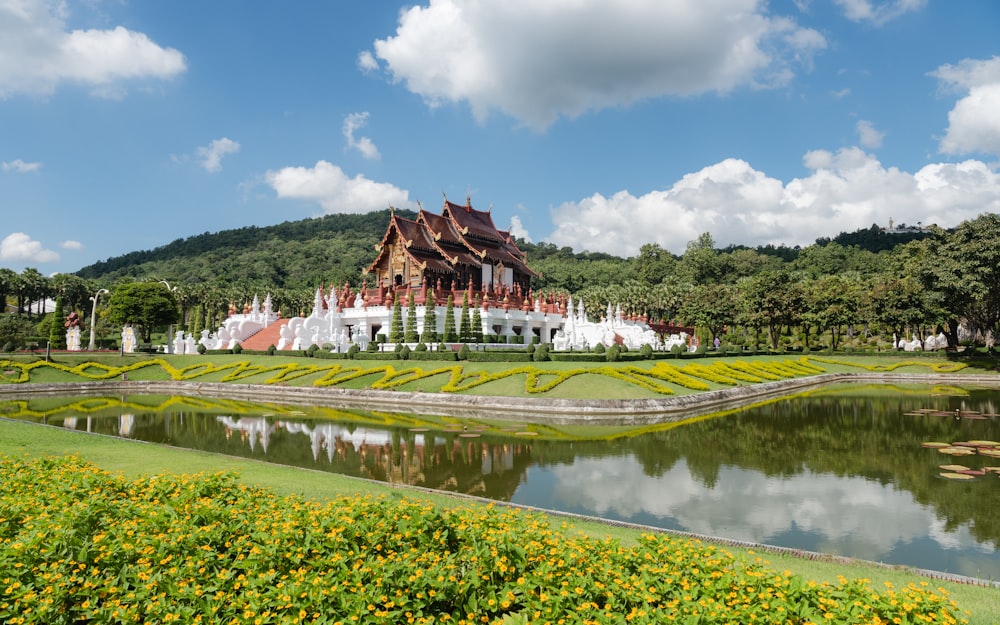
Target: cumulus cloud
point(538, 61)
point(327, 185)
point(38, 53)
point(518, 230)
point(353, 122)
point(18, 246)
point(367, 62)
point(868, 135)
point(19, 166)
point(737, 204)
point(746, 505)
point(210, 156)
point(974, 122)
point(878, 12)
point(70, 244)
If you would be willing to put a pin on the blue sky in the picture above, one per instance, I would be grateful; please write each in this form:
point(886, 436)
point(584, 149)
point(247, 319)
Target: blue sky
point(585, 123)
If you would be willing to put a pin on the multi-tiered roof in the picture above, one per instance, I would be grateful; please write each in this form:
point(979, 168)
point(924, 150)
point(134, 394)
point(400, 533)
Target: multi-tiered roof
point(459, 248)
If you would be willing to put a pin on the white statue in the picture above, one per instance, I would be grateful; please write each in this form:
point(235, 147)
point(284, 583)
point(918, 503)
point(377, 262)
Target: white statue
point(128, 339)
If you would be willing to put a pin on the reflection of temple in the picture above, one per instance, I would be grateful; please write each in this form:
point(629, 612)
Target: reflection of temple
point(441, 460)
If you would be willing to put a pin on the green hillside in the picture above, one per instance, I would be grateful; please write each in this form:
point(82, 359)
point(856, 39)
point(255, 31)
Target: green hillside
point(293, 254)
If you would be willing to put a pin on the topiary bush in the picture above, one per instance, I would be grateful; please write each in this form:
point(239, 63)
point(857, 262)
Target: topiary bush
point(646, 351)
point(421, 347)
point(463, 353)
point(404, 353)
point(599, 348)
point(237, 349)
point(614, 353)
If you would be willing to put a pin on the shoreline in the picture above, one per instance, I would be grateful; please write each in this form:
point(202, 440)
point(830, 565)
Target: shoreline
point(543, 410)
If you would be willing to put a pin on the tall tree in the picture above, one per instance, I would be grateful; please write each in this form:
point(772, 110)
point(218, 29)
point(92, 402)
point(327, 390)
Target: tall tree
point(411, 335)
point(145, 305)
point(430, 334)
point(450, 336)
point(963, 268)
point(465, 321)
point(396, 334)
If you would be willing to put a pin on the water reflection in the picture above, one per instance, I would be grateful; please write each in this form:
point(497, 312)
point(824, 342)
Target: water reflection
point(838, 471)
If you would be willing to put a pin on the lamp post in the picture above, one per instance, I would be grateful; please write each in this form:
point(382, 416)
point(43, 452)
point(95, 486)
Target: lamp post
point(170, 328)
point(93, 317)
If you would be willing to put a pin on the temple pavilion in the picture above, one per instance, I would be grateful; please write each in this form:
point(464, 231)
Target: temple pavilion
point(460, 249)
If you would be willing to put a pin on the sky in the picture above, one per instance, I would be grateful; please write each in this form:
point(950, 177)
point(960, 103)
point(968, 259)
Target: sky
point(597, 125)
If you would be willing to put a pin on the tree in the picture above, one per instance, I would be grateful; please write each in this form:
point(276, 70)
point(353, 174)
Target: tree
point(769, 300)
point(450, 336)
point(896, 303)
point(477, 323)
point(964, 269)
point(411, 335)
point(145, 305)
point(711, 306)
point(832, 302)
point(396, 325)
point(654, 265)
point(430, 334)
point(465, 321)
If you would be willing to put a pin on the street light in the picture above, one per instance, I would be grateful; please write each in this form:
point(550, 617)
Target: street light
point(170, 328)
point(93, 317)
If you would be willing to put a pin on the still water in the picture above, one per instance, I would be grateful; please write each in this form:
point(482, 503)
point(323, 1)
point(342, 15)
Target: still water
point(839, 470)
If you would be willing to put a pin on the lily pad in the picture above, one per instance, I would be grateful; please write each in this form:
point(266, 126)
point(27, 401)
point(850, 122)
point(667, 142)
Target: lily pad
point(984, 443)
point(953, 467)
point(991, 469)
point(957, 476)
point(957, 451)
point(934, 445)
point(527, 433)
point(990, 452)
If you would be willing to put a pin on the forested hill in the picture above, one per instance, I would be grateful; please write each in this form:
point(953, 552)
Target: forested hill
point(293, 254)
point(335, 248)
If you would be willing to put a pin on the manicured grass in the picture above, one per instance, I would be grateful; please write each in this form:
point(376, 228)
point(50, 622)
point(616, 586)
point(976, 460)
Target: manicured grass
point(137, 459)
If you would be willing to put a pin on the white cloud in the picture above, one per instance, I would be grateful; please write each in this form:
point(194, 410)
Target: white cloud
point(868, 135)
point(537, 61)
point(18, 246)
point(353, 122)
point(737, 204)
point(518, 230)
point(974, 123)
point(70, 244)
point(17, 165)
point(327, 185)
point(211, 155)
point(38, 53)
point(747, 505)
point(367, 62)
point(878, 12)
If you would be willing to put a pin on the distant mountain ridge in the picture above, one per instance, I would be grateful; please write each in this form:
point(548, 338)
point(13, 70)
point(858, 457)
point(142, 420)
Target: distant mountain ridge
point(335, 248)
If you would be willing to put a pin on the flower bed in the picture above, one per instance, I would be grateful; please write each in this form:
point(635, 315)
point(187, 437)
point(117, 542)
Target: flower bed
point(78, 544)
point(661, 378)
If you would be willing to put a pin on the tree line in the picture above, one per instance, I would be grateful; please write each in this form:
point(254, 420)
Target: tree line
point(849, 288)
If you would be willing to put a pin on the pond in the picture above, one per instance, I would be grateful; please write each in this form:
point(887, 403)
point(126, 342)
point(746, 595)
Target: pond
point(838, 470)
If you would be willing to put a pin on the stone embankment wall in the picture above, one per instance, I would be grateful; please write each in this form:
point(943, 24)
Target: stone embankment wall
point(526, 409)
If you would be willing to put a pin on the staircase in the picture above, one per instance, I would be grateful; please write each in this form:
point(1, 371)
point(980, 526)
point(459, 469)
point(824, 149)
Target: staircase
point(266, 337)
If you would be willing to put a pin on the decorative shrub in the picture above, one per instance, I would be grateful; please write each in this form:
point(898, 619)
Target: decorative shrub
point(599, 348)
point(237, 349)
point(614, 353)
point(463, 353)
point(542, 353)
point(404, 353)
point(646, 351)
point(271, 349)
point(421, 347)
